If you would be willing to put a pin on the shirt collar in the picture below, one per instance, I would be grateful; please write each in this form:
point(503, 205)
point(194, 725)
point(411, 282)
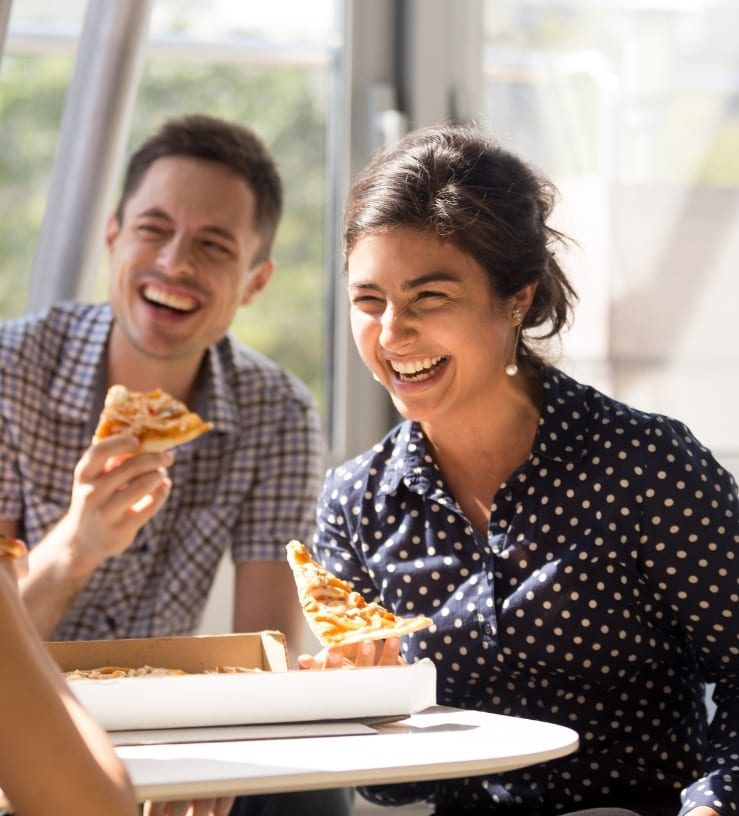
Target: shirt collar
point(561, 436)
point(216, 401)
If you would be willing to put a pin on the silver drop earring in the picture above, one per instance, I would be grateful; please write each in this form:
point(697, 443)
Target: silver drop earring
point(512, 368)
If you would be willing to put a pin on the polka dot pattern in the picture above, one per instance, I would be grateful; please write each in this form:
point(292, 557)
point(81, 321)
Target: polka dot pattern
point(603, 597)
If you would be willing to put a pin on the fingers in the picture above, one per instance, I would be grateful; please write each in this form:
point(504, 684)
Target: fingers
point(367, 653)
point(138, 494)
point(197, 807)
point(223, 806)
point(307, 662)
point(106, 455)
point(327, 659)
point(137, 482)
point(390, 653)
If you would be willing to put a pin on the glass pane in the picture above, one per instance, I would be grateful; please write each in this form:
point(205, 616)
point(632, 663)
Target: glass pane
point(271, 66)
point(35, 71)
point(633, 110)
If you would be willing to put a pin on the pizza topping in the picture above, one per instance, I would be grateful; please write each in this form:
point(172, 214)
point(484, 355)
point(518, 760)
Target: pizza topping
point(158, 420)
point(337, 614)
point(113, 672)
point(116, 672)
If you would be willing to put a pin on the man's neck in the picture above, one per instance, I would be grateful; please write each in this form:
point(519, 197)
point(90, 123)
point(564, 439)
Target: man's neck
point(139, 372)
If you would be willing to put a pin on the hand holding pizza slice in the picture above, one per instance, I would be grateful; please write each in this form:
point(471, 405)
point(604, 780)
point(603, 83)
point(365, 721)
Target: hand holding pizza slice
point(336, 614)
point(156, 419)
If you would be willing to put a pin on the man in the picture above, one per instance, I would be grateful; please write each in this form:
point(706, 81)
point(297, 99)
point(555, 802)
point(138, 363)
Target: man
point(127, 545)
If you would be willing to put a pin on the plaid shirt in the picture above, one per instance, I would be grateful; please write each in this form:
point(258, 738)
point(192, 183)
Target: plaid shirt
point(249, 485)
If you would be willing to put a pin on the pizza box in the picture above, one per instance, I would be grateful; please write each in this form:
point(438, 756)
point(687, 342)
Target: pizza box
point(273, 694)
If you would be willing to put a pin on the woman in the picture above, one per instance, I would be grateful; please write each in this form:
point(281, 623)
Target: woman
point(576, 555)
point(53, 759)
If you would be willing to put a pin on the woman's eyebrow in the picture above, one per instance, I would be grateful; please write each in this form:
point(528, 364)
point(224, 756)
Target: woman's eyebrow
point(430, 277)
point(411, 283)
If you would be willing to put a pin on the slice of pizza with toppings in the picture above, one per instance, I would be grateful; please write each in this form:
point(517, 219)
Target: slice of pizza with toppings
point(336, 614)
point(159, 421)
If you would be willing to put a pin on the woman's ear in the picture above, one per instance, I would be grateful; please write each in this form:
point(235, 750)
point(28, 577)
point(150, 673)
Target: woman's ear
point(524, 298)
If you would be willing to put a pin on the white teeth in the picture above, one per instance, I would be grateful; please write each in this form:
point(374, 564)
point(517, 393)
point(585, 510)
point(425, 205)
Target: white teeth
point(180, 302)
point(415, 366)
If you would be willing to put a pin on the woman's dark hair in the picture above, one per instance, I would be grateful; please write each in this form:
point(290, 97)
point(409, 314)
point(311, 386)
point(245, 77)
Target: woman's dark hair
point(206, 137)
point(457, 182)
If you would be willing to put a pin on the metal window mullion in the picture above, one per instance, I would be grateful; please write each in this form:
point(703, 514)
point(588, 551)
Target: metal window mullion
point(92, 135)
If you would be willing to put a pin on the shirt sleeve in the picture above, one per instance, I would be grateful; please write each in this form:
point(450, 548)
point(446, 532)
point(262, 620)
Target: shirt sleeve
point(281, 504)
point(332, 546)
point(11, 499)
point(690, 549)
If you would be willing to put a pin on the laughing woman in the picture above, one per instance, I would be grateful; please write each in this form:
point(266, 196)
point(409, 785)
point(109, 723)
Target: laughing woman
point(577, 556)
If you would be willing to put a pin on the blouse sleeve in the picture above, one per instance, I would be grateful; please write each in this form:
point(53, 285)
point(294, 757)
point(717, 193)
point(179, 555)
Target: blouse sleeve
point(336, 546)
point(689, 545)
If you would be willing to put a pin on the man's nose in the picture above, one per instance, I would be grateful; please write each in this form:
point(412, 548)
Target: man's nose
point(176, 258)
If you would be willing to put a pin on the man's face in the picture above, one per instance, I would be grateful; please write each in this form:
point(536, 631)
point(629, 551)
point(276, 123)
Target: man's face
point(182, 258)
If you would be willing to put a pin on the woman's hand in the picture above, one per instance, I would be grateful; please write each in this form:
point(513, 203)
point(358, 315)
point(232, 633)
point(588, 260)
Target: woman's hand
point(367, 653)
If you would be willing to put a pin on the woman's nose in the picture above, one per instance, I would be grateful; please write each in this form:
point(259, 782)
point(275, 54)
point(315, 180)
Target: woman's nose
point(397, 327)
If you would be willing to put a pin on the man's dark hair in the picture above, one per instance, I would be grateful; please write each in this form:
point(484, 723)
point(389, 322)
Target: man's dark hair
point(207, 137)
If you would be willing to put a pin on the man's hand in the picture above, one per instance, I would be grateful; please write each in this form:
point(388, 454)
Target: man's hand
point(114, 493)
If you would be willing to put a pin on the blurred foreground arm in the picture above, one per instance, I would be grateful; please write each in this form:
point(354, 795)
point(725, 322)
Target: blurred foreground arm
point(58, 761)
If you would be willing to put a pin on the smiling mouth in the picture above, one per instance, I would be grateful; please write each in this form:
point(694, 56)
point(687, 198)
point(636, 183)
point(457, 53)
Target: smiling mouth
point(161, 298)
point(417, 370)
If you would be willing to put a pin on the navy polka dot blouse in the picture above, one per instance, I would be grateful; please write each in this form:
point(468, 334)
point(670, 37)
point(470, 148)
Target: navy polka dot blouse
point(603, 598)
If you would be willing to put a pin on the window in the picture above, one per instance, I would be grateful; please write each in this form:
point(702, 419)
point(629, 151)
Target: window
point(633, 111)
point(271, 66)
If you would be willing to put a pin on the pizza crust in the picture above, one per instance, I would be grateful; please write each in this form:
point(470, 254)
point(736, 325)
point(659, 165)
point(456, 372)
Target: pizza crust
point(12, 547)
point(336, 614)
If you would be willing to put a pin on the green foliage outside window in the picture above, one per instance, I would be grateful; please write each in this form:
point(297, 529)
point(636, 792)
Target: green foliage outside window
point(286, 106)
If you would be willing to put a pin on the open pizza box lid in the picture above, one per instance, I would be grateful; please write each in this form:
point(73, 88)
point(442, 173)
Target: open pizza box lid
point(270, 695)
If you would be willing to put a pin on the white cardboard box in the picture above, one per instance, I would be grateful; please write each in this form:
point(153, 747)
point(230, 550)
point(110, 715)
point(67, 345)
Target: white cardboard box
point(272, 695)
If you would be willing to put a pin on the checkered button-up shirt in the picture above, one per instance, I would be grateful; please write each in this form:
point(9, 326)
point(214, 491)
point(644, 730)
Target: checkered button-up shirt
point(249, 485)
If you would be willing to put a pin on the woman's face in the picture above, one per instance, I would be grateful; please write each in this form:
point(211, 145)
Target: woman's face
point(427, 325)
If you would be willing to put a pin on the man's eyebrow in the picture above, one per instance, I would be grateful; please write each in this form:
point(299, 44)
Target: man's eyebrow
point(156, 212)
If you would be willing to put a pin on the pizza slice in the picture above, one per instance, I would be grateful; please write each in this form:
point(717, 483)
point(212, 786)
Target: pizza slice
point(159, 421)
point(12, 547)
point(336, 614)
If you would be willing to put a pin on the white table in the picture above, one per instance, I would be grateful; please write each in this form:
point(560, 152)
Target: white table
point(438, 743)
